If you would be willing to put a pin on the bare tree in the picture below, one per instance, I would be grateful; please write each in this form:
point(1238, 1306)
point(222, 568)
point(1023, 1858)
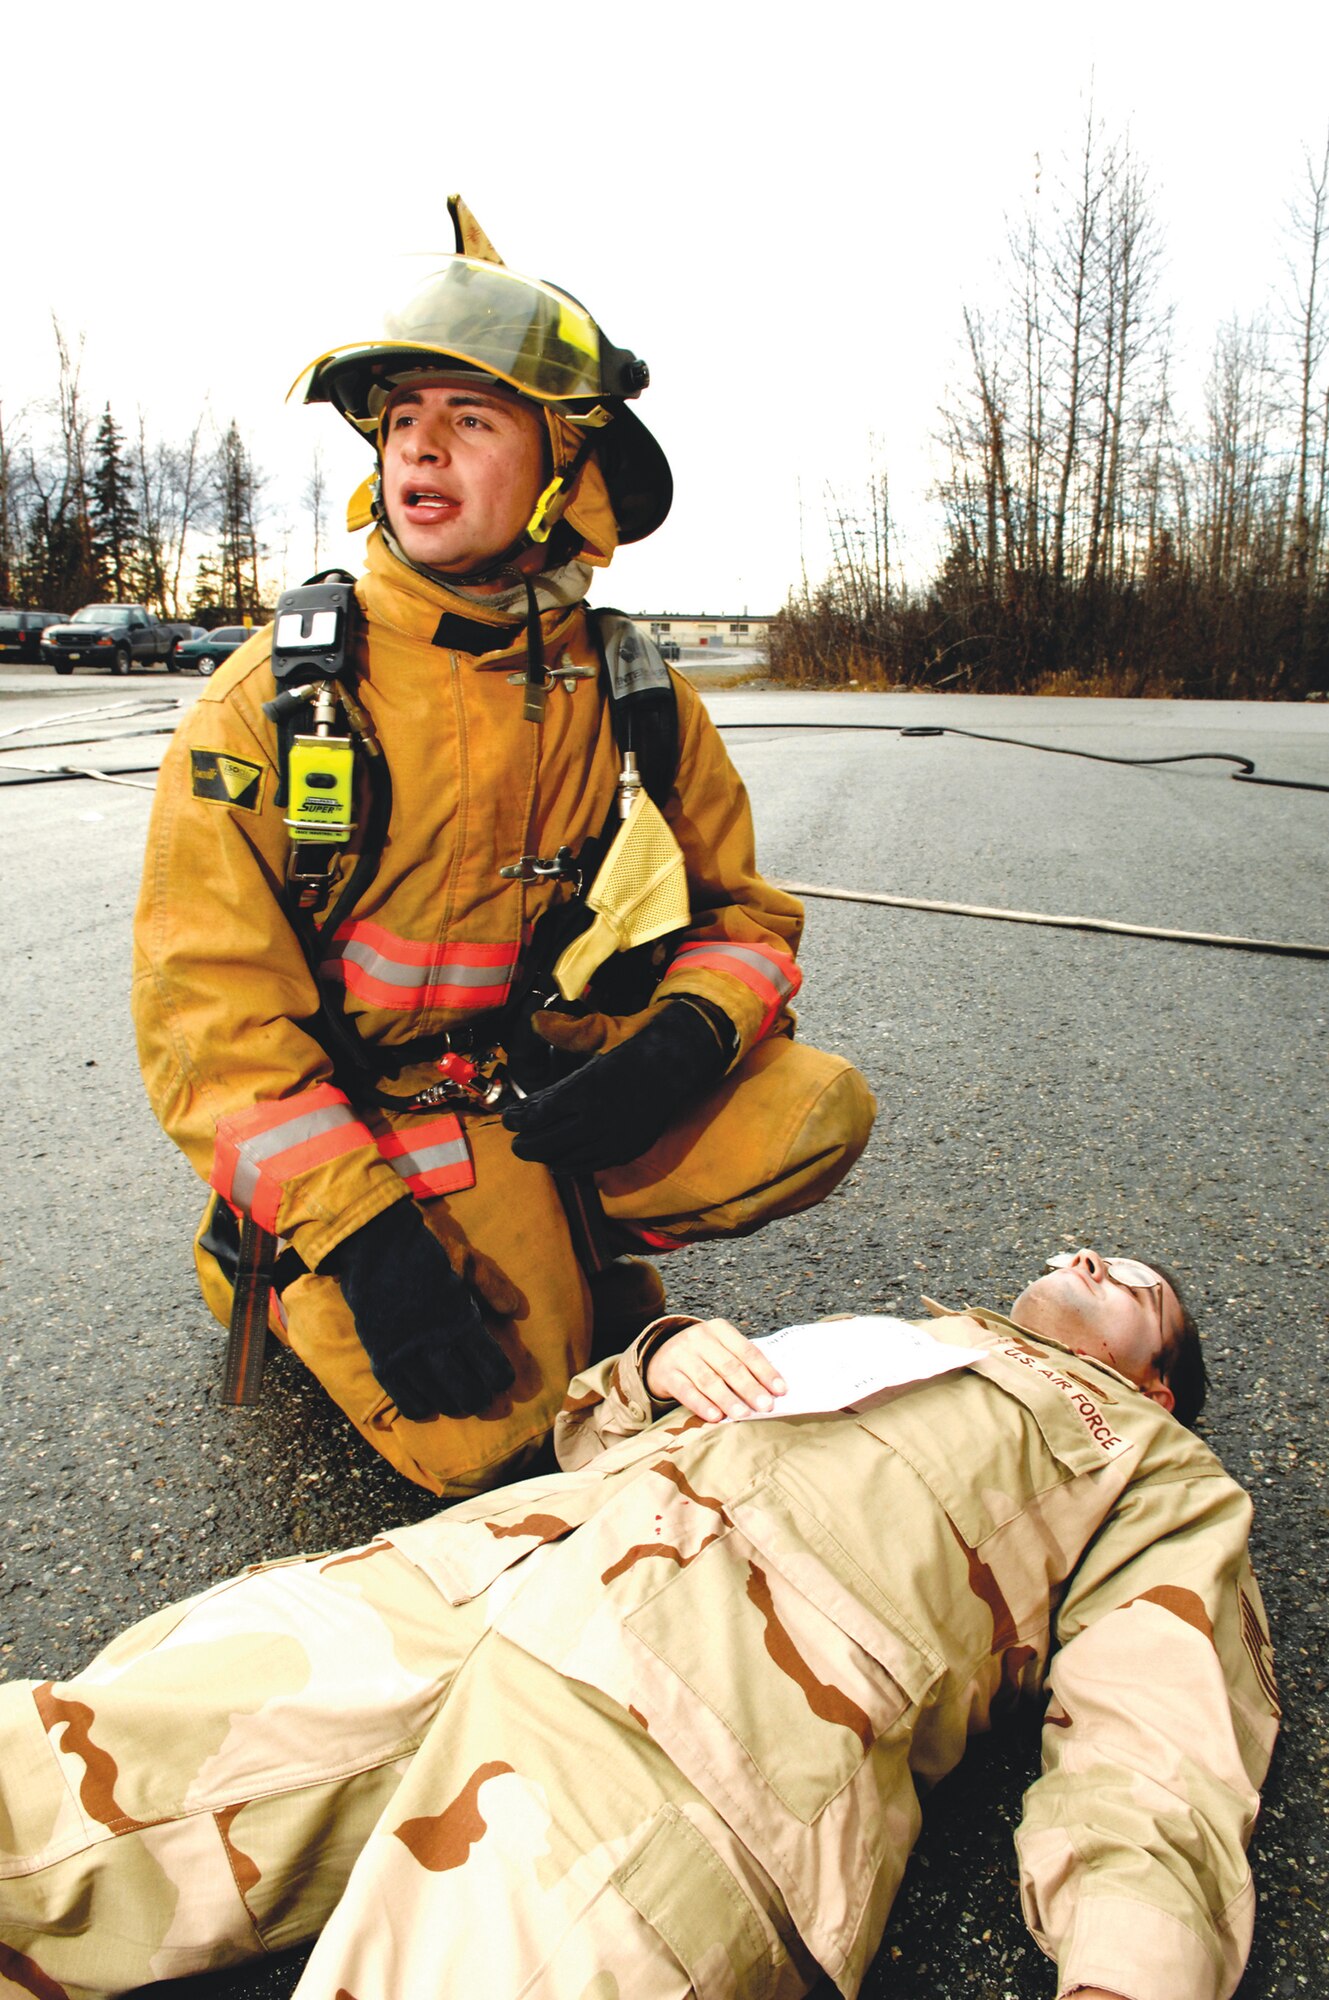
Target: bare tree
point(315, 501)
point(1310, 223)
point(14, 496)
point(185, 484)
point(1240, 500)
point(1074, 282)
point(1027, 257)
point(1134, 363)
point(860, 534)
point(73, 433)
point(170, 493)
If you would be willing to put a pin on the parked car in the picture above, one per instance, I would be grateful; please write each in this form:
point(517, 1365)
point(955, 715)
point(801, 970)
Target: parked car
point(183, 633)
point(206, 654)
point(21, 633)
point(118, 636)
point(669, 649)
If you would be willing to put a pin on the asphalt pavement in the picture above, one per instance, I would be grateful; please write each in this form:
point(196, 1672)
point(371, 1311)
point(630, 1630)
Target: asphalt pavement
point(1039, 1088)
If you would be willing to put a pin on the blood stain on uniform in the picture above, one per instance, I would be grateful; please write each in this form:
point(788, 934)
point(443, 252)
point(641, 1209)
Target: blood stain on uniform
point(667, 1470)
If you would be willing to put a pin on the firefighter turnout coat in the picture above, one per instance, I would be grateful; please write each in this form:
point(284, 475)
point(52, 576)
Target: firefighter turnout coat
point(226, 1003)
point(657, 1726)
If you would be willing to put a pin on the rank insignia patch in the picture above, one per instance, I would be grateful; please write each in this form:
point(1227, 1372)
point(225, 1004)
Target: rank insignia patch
point(227, 781)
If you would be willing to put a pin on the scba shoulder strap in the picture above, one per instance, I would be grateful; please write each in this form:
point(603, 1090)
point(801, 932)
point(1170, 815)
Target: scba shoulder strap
point(316, 639)
point(643, 703)
point(317, 635)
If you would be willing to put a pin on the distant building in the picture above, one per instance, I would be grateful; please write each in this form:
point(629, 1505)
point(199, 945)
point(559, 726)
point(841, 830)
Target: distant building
point(687, 628)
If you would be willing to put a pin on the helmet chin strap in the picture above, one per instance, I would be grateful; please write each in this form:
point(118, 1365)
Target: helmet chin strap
point(535, 688)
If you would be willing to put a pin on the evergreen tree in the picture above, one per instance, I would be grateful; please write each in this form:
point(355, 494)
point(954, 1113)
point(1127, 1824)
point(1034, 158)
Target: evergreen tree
point(236, 485)
point(56, 567)
point(208, 602)
point(114, 517)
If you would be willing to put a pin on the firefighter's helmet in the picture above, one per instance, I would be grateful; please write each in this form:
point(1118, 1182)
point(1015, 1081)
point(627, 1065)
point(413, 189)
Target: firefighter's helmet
point(469, 311)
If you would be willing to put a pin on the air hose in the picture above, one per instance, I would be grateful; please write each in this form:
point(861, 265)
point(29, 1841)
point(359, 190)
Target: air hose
point(1245, 773)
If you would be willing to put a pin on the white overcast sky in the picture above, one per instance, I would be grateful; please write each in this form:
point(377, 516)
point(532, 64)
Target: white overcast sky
point(784, 208)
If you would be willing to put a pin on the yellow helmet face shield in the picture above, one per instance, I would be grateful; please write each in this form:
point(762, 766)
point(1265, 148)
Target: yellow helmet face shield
point(518, 330)
point(526, 333)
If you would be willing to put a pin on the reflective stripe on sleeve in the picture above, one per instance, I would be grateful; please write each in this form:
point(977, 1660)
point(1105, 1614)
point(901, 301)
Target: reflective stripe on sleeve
point(766, 970)
point(432, 1158)
point(260, 1149)
point(394, 972)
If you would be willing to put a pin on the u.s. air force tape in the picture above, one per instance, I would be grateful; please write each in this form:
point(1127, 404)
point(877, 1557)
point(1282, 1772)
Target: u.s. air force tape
point(227, 781)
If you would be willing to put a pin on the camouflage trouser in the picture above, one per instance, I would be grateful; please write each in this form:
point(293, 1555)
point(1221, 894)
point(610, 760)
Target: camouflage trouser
point(328, 1742)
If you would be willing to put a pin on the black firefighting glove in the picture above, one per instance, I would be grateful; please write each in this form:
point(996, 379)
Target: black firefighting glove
point(416, 1318)
point(619, 1103)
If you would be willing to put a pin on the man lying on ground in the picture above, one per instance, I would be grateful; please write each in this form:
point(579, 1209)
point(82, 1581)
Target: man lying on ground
point(657, 1725)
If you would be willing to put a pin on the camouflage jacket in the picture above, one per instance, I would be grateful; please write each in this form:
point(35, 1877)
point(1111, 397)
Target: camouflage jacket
point(811, 1615)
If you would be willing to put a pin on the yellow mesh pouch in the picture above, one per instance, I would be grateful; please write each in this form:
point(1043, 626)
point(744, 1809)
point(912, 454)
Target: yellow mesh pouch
point(640, 893)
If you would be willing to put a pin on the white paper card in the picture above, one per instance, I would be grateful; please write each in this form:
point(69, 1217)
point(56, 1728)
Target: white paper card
point(829, 1364)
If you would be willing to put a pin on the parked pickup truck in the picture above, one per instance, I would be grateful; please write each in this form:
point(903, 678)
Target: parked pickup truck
point(118, 636)
point(21, 633)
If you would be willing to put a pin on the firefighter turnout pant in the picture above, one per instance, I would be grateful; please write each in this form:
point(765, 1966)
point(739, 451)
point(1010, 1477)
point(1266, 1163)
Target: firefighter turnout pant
point(780, 1131)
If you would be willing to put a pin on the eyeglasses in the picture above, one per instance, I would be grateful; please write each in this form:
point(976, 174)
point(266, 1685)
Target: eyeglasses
point(1123, 1270)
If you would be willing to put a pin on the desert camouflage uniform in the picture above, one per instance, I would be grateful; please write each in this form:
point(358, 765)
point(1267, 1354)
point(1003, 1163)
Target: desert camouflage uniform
point(653, 1727)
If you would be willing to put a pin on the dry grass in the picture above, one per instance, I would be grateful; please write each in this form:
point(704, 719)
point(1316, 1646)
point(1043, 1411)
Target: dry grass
point(855, 668)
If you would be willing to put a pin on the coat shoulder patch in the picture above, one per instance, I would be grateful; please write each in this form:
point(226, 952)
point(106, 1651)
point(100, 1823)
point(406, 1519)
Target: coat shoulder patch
point(227, 781)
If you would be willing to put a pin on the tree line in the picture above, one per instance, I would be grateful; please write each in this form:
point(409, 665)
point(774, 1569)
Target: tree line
point(1093, 540)
point(101, 514)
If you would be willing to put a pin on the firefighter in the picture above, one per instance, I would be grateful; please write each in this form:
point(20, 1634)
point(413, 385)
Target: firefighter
point(528, 1019)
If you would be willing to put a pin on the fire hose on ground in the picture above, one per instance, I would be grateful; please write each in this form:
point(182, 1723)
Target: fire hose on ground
point(1245, 773)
